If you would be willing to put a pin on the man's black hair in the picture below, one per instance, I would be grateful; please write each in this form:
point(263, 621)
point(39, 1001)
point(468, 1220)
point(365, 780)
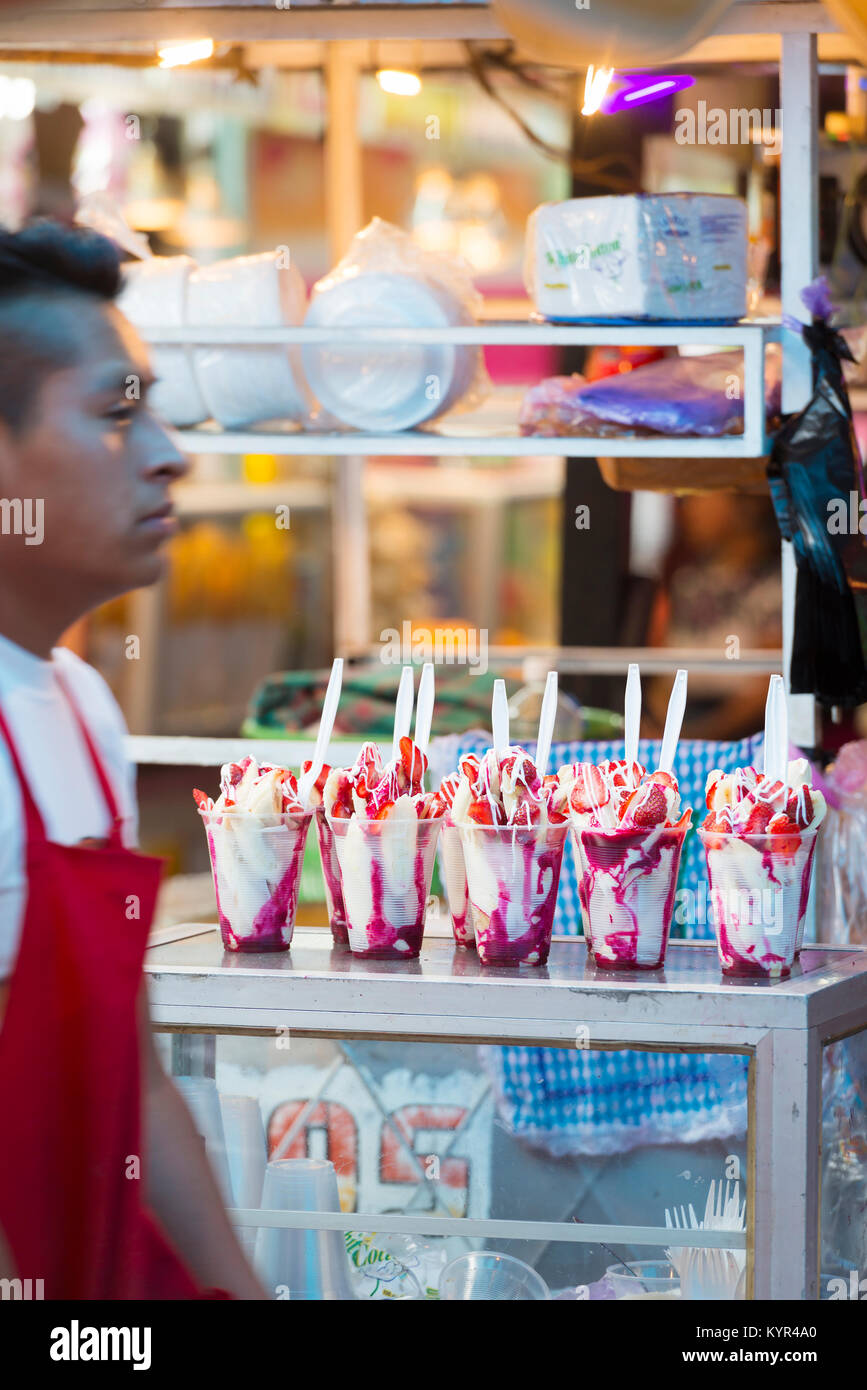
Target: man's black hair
point(48, 256)
point(46, 270)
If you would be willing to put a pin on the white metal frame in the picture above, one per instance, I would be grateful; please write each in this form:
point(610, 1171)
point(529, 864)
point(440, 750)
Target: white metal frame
point(781, 1028)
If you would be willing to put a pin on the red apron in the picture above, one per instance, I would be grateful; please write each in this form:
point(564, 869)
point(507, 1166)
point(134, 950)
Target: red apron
point(71, 1185)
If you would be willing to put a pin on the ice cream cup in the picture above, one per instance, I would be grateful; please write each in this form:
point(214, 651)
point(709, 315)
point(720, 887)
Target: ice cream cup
point(759, 888)
point(256, 863)
point(454, 876)
point(331, 877)
point(512, 874)
point(629, 882)
point(385, 873)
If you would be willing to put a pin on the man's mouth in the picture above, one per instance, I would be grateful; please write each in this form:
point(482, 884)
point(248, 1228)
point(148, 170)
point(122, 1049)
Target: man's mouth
point(161, 521)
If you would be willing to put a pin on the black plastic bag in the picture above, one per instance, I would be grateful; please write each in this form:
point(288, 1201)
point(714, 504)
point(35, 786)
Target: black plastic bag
point(817, 484)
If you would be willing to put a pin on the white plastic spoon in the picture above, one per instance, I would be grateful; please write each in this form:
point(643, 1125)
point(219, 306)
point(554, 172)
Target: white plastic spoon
point(424, 707)
point(632, 714)
point(500, 719)
point(776, 764)
point(323, 737)
point(403, 709)
point(546, 724)
point(673, 722)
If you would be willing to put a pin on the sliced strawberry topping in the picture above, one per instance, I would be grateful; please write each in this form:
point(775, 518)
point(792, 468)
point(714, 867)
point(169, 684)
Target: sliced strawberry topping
point(202, 801)
point(759, 819)
point(413, 763)
point(799, 807)
point(589, 790)
point(483, 812)
point(648, 805)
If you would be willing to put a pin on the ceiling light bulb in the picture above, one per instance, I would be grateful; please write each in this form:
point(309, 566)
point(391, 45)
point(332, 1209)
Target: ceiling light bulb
point(178, 55)
point(399, 83)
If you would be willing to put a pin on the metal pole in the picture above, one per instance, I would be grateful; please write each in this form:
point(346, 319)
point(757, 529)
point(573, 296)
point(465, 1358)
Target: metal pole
point(344, 211)
point(799, 238)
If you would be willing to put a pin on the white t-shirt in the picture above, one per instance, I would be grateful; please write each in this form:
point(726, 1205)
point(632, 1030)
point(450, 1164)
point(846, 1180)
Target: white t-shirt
point(57, 766)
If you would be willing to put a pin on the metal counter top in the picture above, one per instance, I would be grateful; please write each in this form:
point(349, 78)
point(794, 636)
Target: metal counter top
point(446, 993)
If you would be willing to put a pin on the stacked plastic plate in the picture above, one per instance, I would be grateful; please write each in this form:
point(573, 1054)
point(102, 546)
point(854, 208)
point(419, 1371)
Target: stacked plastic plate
point(381, 388)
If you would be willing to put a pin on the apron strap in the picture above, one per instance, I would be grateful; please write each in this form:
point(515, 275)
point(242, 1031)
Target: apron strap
point(33, 817)
point(33, 821)
point(96, 760)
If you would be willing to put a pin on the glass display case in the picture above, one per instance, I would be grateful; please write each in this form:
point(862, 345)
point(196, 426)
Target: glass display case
point(562, 1115)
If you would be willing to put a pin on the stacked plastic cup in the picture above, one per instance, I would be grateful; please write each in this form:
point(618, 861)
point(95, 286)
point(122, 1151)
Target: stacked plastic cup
point(386, 868)
point(486, 1276)
point(629, 881)
point(256, 863)
point(331, 878)
point(759, 889)
point(295, 1263)
point(513, 872)
point(454, 876)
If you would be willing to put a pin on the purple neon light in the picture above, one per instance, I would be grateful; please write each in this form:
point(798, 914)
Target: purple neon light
point(639, 88)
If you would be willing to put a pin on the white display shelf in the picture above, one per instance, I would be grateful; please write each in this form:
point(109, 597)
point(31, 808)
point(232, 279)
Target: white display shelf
point(481, 433)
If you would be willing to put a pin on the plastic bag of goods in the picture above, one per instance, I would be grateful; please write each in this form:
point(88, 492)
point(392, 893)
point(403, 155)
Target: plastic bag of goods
point(678, 396)
point(677, 256)
point(154, 295)
point(386, 281)
point(842, 863)
point(245, 384)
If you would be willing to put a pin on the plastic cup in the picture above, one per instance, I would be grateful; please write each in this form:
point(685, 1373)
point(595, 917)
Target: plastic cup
point(247, 1154)
point(629, 882)
point(302, 1264)
point(256, 863)
point(203, 1103)
point(385, 873)
point(454, 876)
point(513, 872)
point(649, 1279)
point(759, 888)
point(486, 1275)
point(331, 877)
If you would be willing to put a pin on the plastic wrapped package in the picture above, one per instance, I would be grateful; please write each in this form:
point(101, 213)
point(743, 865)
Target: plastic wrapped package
point(816, 478)
point(677, 396)
point(243, 385)
point(842, 863)
point(386, 280)
point(154, 295)
point(678, 256)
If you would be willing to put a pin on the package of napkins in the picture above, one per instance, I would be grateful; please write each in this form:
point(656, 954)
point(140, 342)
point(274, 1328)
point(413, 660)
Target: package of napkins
point(680, 257)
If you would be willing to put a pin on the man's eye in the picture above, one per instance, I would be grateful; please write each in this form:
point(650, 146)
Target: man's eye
point(121, 413)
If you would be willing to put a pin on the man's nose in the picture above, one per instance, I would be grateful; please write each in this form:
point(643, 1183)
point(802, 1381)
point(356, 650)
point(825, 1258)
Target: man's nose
point(163, 460)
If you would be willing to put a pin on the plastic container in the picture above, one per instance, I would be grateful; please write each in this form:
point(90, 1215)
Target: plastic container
point(203, 1103)
point(297, 1264)
point(650, 1279)
point(331, 879)
point(385, 875)
point(390, 387)
point(513, 873)
point(243, 385)
point(759, 889)
point(453, 872)
point(629, 879)
point(154, 295)
point(256, 863)
point(484, 1275)
point(247, 1155)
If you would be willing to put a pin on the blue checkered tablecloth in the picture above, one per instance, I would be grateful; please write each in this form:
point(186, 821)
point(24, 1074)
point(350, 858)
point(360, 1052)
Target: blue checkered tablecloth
point(572, 1101)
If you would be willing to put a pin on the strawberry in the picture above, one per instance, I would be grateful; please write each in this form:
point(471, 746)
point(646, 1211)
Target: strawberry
point(759, 818)
point(483, 812)
point(413, 763)
point(799, 807)
point(589, 790)
point(788, 837)
point(649, 806)
point(202, 801)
